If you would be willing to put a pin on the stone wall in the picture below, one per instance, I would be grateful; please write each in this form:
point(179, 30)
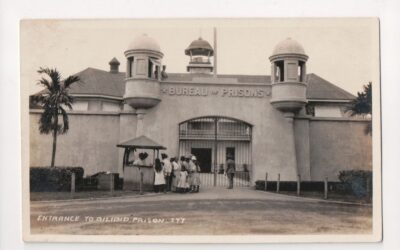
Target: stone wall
point(338, 144)
point(90, 142)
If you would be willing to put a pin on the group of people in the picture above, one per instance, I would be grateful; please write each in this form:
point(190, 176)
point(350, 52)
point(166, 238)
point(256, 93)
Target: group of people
point(173, 175)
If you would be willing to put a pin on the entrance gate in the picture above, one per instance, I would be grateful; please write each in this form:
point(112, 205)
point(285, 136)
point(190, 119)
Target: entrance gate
point(212, 139)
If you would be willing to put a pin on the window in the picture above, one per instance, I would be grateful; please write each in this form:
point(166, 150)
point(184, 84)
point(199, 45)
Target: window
point(230, 152)
point(280, 71)
point(300, 71)
point(310, 109)
point(130, 66)
point(150, 69)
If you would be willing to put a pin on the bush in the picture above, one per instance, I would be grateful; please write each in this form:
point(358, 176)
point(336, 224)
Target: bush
point(356, 182)
point(54, 179)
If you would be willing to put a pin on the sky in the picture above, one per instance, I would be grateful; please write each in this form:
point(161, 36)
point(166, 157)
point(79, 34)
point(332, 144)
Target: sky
point(344, 51)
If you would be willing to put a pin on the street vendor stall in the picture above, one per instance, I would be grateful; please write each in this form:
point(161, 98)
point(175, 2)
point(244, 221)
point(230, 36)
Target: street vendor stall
point(139, 174)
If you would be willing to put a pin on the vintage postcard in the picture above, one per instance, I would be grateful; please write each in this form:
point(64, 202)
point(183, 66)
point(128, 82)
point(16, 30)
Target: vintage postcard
point(201, 130)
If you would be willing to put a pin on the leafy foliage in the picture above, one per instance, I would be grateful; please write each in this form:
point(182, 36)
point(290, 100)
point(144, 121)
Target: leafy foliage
point(358, 182)
point(362, 105)
point(46, 179)
point(54, 99)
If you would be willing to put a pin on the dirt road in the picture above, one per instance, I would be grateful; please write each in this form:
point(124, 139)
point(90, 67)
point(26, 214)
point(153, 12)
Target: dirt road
point(213, 211)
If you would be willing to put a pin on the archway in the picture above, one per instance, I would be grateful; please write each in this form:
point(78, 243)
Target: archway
point(212, 139)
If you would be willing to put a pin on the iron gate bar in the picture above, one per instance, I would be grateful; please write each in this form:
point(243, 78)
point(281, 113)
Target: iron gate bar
point(215, 150)
point(215, 129)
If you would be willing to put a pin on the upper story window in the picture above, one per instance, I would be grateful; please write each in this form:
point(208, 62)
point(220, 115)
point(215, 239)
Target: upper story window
point(279, 71)
point(300, 71)
point(154, 67)
point(130, 68)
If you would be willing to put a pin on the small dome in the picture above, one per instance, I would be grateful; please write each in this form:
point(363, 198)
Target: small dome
point(199, 47)
point(144, 42)
point(288, 46)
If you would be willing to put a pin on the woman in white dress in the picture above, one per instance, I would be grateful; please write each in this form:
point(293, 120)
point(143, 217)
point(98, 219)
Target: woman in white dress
point(159, 178)
point(183, 185)
point(194, 175)
point(176, 172)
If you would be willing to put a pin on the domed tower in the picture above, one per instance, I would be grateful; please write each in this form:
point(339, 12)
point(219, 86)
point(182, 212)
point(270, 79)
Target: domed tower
point(200, 52)
point(288, 76)
point(142, 82)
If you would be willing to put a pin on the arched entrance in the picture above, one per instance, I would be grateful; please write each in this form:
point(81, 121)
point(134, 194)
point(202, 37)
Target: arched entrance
point(211, 139)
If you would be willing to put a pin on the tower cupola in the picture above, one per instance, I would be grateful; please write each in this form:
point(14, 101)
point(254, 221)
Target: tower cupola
point(114, 65)
point(288, 76)
point(143, 73)
point(200, 52)
point(288, 93)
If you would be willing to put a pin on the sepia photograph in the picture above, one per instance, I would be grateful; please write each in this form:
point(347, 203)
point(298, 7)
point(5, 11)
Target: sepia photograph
point(201, 130)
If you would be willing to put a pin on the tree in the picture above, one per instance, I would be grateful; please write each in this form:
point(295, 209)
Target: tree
point(362, 105)
point(54, 99)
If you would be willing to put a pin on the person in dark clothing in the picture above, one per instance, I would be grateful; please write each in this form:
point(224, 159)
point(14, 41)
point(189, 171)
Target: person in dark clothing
point(230, 170)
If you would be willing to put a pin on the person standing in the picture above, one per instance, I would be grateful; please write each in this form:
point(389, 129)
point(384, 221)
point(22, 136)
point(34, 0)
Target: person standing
point(183, 185)
point(182, 162)
point(230, 170)
point(159, 179)
point(167, 171)
point(176, 171)
point(196, 175)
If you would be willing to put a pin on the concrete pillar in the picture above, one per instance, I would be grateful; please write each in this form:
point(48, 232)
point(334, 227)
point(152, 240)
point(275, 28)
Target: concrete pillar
point(140, 127)
point(290, 167)
point(127, 130)
point(302, 137)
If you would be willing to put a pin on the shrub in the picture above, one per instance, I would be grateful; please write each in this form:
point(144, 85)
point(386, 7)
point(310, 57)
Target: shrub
point(356, 182)
point(54, 179)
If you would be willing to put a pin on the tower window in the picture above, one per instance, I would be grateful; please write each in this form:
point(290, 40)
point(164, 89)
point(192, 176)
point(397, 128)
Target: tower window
point(300, 71)
point(130, 66)
point(150, 69)
point(280, 71)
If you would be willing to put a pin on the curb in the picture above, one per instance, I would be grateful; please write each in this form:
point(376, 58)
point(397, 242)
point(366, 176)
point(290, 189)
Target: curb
point(101, 198)
point(317, 200)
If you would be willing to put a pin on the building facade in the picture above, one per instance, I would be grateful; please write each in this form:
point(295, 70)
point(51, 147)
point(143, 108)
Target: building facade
point(290, 123)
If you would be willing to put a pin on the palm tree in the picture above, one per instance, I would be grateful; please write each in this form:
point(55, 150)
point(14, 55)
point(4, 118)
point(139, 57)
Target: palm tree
point(54, 98)
point(362, 105)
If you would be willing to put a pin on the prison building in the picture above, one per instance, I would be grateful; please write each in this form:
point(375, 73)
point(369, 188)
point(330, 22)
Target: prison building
point(290, 122)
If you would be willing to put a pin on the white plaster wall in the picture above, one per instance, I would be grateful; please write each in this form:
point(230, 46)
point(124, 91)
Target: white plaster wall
point(338, 145)
point(111, 106)
point(90, 142)
point(328, 111)
point(80, 105)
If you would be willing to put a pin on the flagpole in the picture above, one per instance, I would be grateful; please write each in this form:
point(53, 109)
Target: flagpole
point(215, 52)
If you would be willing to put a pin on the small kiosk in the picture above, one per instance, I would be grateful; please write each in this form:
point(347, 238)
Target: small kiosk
point(139, 175)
